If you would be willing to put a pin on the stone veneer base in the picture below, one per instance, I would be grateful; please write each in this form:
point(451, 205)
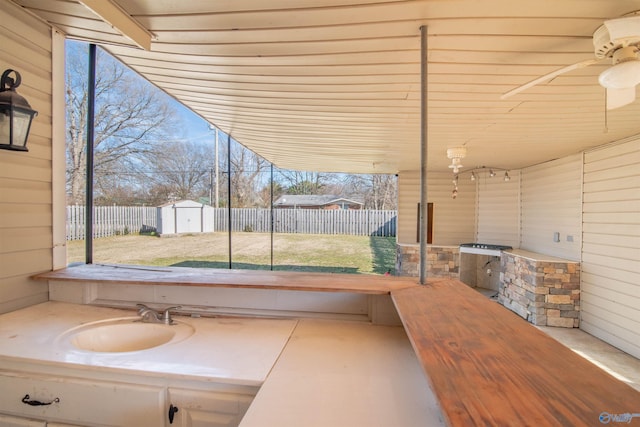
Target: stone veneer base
point(442, 261)
point(545, 293)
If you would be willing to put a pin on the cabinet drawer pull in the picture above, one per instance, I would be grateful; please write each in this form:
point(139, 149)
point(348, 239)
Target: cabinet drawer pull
point(172, 412)
point(27, 399)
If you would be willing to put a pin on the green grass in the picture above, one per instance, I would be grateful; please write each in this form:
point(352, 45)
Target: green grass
point(294, 252)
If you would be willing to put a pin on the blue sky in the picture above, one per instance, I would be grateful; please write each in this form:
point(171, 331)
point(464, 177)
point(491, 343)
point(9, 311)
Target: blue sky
point(195, 127)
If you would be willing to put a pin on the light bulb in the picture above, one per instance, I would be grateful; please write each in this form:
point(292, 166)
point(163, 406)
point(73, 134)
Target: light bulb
point(621, 76)
point(473, 176)
point(491, 173)
point(455, 165)
point(5, 128)
point(506, 176)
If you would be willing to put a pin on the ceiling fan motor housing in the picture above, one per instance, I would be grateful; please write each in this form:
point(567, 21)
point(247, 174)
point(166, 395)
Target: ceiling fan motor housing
point(615, 34)
point(619, 39)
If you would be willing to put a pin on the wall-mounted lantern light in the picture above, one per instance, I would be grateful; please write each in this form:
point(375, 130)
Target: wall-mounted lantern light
point(15, 114)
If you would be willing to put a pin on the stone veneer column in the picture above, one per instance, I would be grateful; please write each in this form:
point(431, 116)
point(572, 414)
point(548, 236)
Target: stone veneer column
point(545, 293)
point(443, 261)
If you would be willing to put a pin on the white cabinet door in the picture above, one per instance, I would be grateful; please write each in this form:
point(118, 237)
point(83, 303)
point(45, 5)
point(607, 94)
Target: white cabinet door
point(189, 417)
point(81, 402)
point(207, 408)
point(9, 421)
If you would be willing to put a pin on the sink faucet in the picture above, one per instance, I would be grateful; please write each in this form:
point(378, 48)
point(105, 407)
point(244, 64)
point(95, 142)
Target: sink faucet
point(148, 315)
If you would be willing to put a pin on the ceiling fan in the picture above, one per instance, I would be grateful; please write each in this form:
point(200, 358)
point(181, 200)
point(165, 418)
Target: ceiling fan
point(618, 40)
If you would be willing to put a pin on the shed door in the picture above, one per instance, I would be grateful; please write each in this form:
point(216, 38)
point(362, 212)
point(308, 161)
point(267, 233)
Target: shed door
point(188, 220)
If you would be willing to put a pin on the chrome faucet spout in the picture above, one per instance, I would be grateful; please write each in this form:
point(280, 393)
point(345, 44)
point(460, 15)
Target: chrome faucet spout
point(166, 317)
point(147, 315)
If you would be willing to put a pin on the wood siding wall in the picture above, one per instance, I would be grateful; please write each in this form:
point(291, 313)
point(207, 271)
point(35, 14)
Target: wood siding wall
point(551, 202)
point(499, 209)
point(25, 178)
point(453, 220)
point(611, 245)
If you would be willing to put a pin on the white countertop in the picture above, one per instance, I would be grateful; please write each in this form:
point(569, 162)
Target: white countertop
point(534, 256)
point(345, 374)
point(227, 350)
point(312, 373)
point(430, 245)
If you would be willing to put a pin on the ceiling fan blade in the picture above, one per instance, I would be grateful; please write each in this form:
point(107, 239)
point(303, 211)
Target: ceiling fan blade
point(549, 76)
point(617, 98)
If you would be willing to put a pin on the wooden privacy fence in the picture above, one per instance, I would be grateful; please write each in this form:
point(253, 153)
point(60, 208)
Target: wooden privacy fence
point(309, 221)
point(110, 220)
point(120, 220)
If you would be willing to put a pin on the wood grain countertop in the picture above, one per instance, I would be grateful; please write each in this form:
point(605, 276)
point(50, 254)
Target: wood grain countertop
point(487, 366)
point(209, 277)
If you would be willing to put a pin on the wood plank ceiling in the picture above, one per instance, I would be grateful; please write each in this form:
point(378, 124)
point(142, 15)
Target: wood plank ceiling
point(334, 85)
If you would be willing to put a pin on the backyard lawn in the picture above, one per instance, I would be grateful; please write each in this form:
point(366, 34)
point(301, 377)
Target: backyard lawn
point(296, 252)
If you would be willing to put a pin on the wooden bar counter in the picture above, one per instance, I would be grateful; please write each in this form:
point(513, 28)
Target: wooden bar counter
point(210, 277)
point(485, 365)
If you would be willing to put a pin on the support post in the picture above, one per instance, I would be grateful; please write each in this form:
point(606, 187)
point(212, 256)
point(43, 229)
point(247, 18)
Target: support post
point(424, 217)
point(217, 172)
point(91, 96)
point(210, 186)
point(229, 195)
point(272, 217)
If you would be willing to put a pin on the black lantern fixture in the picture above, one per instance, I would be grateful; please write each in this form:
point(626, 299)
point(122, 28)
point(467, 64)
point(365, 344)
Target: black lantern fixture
point(15, 114)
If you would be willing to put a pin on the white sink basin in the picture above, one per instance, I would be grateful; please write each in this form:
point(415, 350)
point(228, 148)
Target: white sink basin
point(124, 335)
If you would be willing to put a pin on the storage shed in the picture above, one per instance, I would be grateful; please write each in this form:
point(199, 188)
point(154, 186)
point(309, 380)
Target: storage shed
point(185, 216)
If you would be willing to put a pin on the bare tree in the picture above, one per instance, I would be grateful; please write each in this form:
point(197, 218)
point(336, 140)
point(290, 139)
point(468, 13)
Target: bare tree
point(248, 176)
point(377, 191)
point(118, 186)
point(304, 182)
point(180, 171)
point(384, 192)
point(131, 117)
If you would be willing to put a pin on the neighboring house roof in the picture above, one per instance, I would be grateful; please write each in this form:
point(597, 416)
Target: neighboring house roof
point(313, 200)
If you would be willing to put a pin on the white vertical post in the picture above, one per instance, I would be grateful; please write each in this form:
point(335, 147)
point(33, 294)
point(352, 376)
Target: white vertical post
point(58, 193)
point(217, 172)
